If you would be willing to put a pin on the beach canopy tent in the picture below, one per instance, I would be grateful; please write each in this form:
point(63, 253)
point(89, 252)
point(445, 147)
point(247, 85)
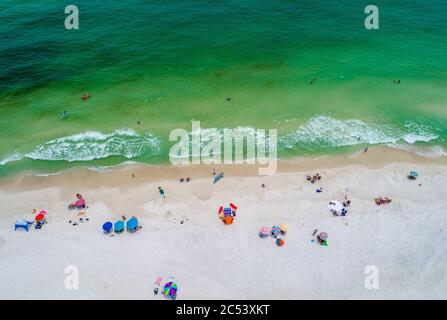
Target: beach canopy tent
point(170, 290)
point(107, 227)
point(132, 224)
point(118, 226)
point(21, 223)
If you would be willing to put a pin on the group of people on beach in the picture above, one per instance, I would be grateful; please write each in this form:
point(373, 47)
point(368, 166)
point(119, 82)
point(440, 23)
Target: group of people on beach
point(314, 178)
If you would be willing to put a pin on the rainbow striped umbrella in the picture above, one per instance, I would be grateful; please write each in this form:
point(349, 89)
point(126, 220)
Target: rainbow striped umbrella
point(170, 289)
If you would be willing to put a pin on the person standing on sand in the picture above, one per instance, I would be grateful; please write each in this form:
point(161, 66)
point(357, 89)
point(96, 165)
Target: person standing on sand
point(366, 149)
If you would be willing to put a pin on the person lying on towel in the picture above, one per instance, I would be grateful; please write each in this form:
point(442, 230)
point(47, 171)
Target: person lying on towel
point(79, 204)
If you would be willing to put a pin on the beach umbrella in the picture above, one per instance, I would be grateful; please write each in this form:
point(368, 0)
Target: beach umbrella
point(118, 226)
point(275, 231)
point(170, 289)
point(264, 232)
point(323, 236)
point(107, 227)
point(284, 228)
point(279, 242)
point(132, 224)
point(40, 217)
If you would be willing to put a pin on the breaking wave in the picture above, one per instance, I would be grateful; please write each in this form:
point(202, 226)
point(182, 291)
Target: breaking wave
point(93, 145)
point(326, 132)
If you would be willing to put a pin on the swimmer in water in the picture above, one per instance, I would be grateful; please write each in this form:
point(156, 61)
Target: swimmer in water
point(86, 96)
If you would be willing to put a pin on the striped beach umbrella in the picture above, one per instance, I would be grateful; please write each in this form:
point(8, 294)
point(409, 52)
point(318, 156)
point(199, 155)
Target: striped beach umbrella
point(279, 242)
point(170, 289)
point(284, 228)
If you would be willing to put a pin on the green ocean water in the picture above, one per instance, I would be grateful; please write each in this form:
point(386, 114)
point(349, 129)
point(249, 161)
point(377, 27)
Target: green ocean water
point(225, 63)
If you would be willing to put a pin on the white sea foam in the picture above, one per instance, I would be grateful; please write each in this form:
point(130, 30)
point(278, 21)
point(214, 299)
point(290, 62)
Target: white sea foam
point(326, 132)
point(96, 145)
point(92, 145)
point(13, 157)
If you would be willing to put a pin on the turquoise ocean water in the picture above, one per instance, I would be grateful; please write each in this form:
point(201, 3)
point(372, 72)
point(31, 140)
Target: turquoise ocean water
point(228, 64)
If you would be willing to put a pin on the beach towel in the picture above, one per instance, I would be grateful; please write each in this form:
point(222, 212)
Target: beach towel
point(80, 203)
point(227, 212)
point(218, 177)
point(158, 280)
point(233, 207)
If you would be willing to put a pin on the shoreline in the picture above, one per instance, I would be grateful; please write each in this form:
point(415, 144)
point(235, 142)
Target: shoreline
point(375, 157)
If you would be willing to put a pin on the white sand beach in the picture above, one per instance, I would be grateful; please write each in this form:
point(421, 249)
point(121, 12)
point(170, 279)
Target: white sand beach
point(406, 239)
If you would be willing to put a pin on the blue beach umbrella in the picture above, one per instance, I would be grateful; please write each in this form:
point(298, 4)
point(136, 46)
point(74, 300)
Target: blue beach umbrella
point(132, 224)
point(107, 227)
point(119, 226)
